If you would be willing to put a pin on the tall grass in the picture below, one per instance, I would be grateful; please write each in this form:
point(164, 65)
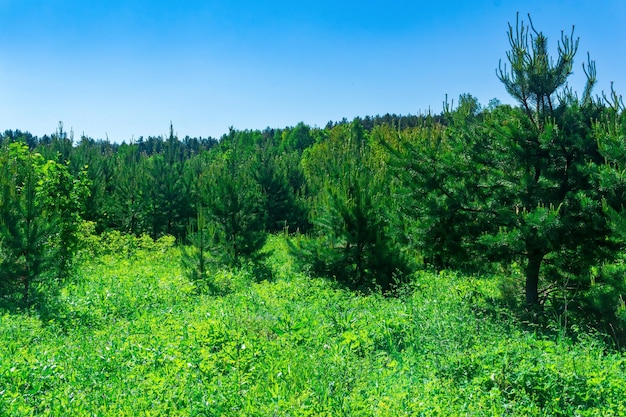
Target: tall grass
point(131, 337)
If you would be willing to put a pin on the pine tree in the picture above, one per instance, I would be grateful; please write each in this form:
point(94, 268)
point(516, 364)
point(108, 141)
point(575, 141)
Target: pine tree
point(352, 214)
point(40, 204)
point(169, 205)
point(234, 202)
point(281, 178)
point(515, 184)
point(128, 206)
point(198, 259)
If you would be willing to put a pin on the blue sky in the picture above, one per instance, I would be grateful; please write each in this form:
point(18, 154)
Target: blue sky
point(124, 69)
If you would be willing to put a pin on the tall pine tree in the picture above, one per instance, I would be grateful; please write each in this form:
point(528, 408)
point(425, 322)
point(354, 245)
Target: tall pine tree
point(515, 184)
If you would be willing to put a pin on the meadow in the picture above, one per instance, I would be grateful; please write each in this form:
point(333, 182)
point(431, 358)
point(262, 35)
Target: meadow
point(473, 261)
point(129, 335)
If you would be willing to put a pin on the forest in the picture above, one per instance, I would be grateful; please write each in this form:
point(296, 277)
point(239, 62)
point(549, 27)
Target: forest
point(197, 269)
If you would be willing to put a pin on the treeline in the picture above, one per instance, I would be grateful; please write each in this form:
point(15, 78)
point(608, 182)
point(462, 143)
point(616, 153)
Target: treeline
point(224, 196)
point(155, 185)
point(151, 186)
point(534, 192)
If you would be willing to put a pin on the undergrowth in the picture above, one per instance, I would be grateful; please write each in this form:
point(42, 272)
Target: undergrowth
point(130, 336)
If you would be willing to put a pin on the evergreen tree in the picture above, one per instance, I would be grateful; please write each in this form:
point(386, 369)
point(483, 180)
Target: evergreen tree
point(169, 198)
point(515, 184)
point(39, 215)
point(88, 154)
point(234, 202)
point(58, 146)
point(352, 214)
point(102, 206)
point(281, 179)
point(128, 207)
point(198, 258)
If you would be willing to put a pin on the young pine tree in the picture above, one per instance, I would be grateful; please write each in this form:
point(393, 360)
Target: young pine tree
point(40, 205)
point(198, 258)
point(235, 206)
point(515, 184)
point(353, 214)
point(169, 203)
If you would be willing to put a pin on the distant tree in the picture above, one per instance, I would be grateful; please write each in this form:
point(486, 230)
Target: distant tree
point(19, 136)
point(58, 146)
point(297, 138)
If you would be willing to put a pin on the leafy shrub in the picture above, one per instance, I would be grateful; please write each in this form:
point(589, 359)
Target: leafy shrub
point(114, 242)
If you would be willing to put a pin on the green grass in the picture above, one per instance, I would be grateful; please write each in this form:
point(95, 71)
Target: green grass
point(130, 337)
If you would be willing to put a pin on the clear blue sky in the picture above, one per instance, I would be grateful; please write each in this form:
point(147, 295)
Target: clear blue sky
point(124, 69)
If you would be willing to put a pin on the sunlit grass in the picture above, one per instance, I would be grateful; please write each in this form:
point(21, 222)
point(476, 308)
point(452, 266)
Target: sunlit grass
point(132, 337)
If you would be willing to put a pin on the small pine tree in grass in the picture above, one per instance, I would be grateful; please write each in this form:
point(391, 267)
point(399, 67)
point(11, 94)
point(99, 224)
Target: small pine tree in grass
point(197, 259)
point(168, 196)
point(353, 216)
point(234, 208)
point(40, 205)
point(126, 202)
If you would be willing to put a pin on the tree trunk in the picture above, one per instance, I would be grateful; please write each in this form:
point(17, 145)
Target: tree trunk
point(25, 290)
point(532, 278)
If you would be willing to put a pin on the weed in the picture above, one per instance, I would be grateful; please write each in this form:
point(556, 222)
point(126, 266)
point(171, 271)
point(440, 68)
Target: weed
point(130, 337)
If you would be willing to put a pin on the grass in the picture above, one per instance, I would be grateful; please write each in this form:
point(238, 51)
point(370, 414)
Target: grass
point(130, 337)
